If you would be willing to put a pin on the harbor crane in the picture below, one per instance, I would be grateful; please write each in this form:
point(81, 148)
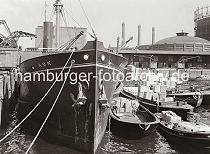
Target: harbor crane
point(6, 26)
point(11, 40)
point(3, 22)
point(183, 59)
point(123, 45)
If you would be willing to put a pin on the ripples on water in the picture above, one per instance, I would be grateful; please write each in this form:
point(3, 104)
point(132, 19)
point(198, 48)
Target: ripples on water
point(154, 143)
point(18, 142)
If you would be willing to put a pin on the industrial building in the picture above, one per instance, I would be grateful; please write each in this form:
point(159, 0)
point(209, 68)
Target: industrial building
point(66, 34)
point(177, 52)
point(202, 22)
point(181, 51)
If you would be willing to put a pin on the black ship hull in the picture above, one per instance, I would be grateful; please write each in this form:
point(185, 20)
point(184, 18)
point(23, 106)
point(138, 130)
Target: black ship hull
point(145, 123)
point(193, 98)
point(80, 116)
point(200, 140)
point(206, 97)
point(180, 110)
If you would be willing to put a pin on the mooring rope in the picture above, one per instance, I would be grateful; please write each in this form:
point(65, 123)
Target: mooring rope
point(39, 101)
point(48, 115)
point(109, 124)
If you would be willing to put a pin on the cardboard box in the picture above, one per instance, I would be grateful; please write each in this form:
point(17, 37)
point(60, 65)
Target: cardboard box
point(141, 94)
point(163, 89)
point(169, 99)
point(157, 89)
point(149, 95)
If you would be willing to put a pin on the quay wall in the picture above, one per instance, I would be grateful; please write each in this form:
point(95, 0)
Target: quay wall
point(7, 87)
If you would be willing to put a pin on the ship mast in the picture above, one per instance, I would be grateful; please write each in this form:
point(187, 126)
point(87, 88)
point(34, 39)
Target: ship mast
point(58, 10)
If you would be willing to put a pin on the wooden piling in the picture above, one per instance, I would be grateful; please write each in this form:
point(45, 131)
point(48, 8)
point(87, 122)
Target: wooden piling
point(4, 104)
point(8, 96)
point(0, 111)
point(1, 97)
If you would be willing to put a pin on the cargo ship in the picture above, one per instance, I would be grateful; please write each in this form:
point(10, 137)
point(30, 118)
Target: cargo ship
point(80, 116)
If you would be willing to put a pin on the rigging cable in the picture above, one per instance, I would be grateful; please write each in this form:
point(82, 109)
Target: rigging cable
point(48, 115)
point(52, 14)
point(38, 102)
point(41, 15)
point(65, 22)
point(79, 24)
point(87, 19)
point(73, 19)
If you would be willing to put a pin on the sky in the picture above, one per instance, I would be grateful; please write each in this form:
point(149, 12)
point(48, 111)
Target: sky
point(106, 17)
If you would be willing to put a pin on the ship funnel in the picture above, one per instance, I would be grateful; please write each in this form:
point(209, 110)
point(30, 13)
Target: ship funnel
point(123, 34)
point(153, 35)
point(48, 35)
point(139, 35)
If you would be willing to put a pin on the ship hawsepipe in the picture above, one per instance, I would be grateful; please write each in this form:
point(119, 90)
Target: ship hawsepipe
point(80, 116)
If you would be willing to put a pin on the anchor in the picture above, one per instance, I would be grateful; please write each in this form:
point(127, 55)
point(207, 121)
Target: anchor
point(81, 99)
point(103, 101)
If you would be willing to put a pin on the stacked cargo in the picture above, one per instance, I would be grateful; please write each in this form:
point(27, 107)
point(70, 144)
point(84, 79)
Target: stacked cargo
point(154, 87)
point(170, 117)
point(123, 105)
point(132, 90)
point(153, 84)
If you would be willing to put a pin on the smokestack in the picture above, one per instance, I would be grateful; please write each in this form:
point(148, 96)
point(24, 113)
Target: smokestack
point(47, 35)
point(139, 35)
point(153, 35)
point(123, 34)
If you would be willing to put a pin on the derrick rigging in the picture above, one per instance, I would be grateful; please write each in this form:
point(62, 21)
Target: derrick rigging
point(11, 40)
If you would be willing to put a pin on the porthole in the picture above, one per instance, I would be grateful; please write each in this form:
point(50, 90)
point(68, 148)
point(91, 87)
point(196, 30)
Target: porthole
point(103, 57)
point(86, 57)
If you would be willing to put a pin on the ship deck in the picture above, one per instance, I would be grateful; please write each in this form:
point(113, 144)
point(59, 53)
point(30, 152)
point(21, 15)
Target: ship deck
point(129, 117)
point(174, 105)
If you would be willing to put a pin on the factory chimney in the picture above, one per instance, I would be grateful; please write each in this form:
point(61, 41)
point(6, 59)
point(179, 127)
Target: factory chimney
point(139, 35)
point(123, 34)
point(153, 35)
